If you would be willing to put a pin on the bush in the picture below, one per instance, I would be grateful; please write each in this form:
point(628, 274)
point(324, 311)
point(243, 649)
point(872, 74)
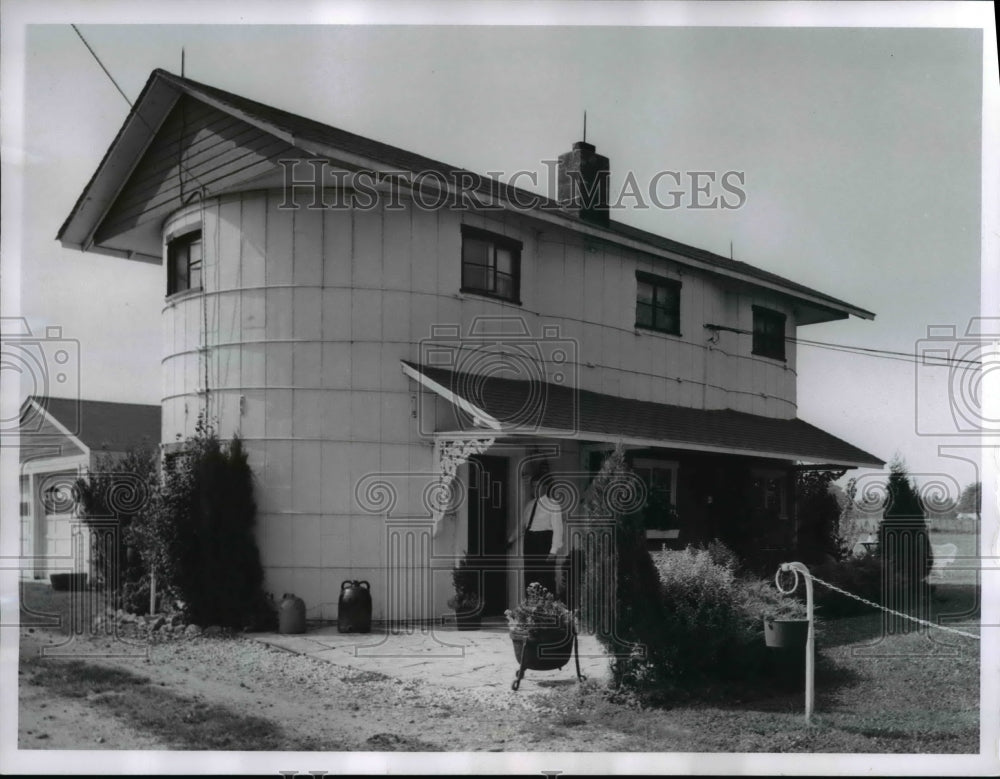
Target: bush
point(716, 616)
point(867, 576)
point(465, 581)
point(676, 622)
point(818, 538)
point(198, 534)
point(110, 497)
point(861, 575)
point(720, 554)
point(630, 623)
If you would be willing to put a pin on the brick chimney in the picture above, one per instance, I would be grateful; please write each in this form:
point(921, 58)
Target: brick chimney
point(582, 183)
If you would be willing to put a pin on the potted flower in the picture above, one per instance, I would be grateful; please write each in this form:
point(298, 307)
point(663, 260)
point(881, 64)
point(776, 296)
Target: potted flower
point(786, 624)
point(542, 631)
point(467, 602)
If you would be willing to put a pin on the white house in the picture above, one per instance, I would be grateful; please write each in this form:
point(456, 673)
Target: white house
point(396, 340)
point(60, 440)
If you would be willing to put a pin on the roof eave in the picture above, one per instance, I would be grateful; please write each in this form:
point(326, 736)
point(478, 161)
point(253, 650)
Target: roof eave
point(163, 89)
point(659, 443)
point(152, 106)
point(496, 429)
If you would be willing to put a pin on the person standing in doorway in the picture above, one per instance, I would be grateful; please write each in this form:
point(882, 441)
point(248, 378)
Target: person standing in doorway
point(540, 528)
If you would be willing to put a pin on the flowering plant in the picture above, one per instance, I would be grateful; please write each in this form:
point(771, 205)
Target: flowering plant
point(539, 610)
point(465, 579)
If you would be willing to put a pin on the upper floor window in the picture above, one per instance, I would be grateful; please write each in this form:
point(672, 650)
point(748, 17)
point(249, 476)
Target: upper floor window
point(658, 303)
point(184, 262)
point(491, 264)
point(768, 333)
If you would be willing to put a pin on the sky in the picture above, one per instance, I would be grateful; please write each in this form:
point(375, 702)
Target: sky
point(858, 128)
point(861, 151)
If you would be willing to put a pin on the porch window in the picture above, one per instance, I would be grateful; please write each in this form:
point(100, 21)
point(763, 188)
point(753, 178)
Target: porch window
point(768, 333)
point(658, 303)
point(491, 264)
point(660, 478)
point(184, 263)
point(770, 493)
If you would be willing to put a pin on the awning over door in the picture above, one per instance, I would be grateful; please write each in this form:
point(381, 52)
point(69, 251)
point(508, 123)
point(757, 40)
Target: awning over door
point(512, 407)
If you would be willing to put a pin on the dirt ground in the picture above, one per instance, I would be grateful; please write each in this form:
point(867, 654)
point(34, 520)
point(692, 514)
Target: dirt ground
point(315, 705)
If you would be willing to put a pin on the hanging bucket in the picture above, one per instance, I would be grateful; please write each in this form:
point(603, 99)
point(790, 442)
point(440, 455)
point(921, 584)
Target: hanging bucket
point(786, 633)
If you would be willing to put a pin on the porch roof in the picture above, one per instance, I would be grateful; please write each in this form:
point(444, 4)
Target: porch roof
point(512, 407)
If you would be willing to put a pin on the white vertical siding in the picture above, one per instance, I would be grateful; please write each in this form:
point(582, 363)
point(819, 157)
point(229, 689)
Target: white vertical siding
point(310, 312)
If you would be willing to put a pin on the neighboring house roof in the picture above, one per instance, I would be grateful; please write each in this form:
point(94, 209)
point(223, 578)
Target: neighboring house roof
point(499, 405)
point(90, 426)
point(81, 230)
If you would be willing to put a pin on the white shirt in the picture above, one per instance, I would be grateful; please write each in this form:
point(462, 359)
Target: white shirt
point(548, 516)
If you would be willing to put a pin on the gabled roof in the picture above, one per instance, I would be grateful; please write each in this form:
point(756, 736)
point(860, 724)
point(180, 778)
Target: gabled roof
point(499, 406)
point(95, 424)
point(163, 90)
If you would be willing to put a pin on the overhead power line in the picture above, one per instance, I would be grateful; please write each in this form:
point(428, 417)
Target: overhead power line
point(886, 354)
point(862, 350)
point(180, 165)
point(98, 59)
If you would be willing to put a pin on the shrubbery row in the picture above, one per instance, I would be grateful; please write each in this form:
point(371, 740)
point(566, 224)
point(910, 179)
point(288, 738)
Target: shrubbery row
point(680, 619)
point(194, 531)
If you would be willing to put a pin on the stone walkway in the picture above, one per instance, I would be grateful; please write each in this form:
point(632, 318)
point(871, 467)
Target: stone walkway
point(440, 654)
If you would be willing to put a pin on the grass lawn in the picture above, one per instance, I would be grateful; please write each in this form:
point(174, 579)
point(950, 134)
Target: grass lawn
point(915, 693)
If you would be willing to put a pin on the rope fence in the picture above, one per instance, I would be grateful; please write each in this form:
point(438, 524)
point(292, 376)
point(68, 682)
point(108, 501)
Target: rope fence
point(867, 602)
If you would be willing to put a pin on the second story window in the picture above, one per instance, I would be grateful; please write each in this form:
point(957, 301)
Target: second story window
point(184, 262)
point(657, 303)
point(491, 264)
point(768, 333)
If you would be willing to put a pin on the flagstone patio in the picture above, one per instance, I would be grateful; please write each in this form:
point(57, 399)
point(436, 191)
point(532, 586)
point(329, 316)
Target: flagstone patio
point(438, 654)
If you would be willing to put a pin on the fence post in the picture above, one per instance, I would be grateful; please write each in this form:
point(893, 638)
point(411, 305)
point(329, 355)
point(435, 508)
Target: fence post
point(797, 568)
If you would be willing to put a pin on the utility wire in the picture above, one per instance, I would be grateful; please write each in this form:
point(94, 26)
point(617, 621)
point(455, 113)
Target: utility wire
point(138, 116)
point(862, 350)
point(98, 59)
point(871, 352)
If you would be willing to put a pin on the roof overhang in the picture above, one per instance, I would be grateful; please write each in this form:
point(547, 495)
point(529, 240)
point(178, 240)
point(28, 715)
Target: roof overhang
point(140, 127)
point(39, 411)
point(352, 152)
point(595, 417)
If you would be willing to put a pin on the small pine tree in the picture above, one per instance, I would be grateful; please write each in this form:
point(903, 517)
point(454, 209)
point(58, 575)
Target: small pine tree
point(905, 548)
point(818, 512)
point(620, 602)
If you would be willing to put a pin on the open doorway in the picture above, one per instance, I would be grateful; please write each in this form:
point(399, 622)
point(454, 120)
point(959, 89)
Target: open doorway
point(488, 511)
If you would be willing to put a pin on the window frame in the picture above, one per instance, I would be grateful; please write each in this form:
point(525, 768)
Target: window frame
point(759, 478)
point(659, 528)
point(767, 344)
point(496, 241)
point(673, 286)
point(184, 240)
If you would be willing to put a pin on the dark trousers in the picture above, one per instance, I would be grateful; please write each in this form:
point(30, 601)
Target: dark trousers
point(537, 567)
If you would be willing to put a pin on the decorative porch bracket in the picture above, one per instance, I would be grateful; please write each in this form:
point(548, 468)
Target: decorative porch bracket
point(449, 454)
